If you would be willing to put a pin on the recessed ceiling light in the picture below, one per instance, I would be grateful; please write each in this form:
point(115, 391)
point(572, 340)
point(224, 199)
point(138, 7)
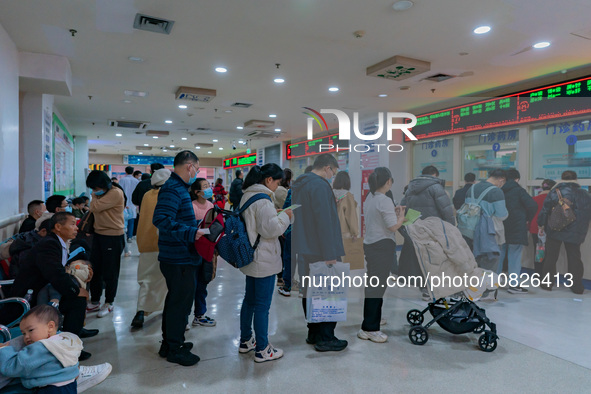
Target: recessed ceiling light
point(164, 150)
point(118, 135)
point(239, 127)
point(126, 101)
point(542, 44)
point(382, 95)
point(220, 148)
point(215, 140)
point(184, 138)
point(172, 146)
point(402, 5)
point(155, 137)
point(146, 144)
point(228, 111)
point(209, 152)
point(482, 29)
point(279, 80)
point(277, 130)
point(182, 106)
point(272, 116)
point(168, 121)
point(136, 59)
point(221, 69)
point(135, 93)
point(141, 153)
point(240, 141)
point(333, 89)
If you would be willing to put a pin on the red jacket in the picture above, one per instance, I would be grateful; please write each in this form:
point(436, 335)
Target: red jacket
point(539, 199)
point(219, 190)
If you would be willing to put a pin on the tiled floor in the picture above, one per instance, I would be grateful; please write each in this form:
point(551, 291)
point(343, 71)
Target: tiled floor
point(545, 347)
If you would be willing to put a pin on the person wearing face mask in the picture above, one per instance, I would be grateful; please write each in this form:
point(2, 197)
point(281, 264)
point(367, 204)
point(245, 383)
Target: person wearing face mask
point(382, 220)
point(265, 224)
point(200, 193)
point(53, 204)
point(107, 205)
point(174, 218)
point(316, 236)
point(152, 284)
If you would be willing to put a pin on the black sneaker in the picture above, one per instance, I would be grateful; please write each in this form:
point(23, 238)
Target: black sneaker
point(138, 320)
point(84, 356)
point(311, 339)
point(336, 345)
point(165, 348)
point(517, 290)
point(183, 357)
point(84, 333)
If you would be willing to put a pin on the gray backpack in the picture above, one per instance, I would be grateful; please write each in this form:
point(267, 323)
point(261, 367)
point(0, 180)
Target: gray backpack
point(469, 214)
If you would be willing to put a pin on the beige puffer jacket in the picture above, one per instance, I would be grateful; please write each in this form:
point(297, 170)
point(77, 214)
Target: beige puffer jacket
point(261, 218)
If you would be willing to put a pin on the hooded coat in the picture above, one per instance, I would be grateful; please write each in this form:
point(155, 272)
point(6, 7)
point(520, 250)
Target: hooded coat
point(522, 209)
point(427, 195)
point(581, 204)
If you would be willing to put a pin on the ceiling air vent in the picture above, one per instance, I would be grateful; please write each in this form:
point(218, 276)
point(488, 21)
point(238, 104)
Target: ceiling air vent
point(398, 68)
point(150, 23)
point(262, 134)
point(128, 124)
point(195, 94)
point(439, 77)
point(204, 145)
point(259, 124)
point(91, 150)
point(241, 105)
point(157, 133)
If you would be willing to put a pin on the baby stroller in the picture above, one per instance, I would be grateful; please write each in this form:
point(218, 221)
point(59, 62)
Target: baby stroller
point(440, 248)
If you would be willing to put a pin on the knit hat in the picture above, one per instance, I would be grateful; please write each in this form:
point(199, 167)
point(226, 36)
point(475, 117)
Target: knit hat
point(159, 177)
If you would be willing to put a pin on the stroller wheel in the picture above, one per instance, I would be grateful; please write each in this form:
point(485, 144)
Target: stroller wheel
point(487, 342)
point(418, 335)
point(414, 317)
point(479, 329)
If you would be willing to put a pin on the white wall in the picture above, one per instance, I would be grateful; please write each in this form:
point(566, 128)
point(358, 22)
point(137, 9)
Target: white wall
point(9, 126)
point(80, 163)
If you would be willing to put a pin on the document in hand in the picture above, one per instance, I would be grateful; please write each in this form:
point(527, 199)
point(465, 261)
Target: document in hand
point(411, 216)
point(292, 207)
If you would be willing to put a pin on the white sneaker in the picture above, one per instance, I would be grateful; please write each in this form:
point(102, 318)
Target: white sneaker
point(92, 375)
point(268, 354)
point(247, 346)
point(383, 322)
point(105, 310)
point(90, 307)
point(374, 336)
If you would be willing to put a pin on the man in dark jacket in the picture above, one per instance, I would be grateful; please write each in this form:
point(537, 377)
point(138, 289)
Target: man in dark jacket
point(522, 209)
point(427, 195)
point(144, 186)
point(572, 235)
point(316, 236)
point(460, 195)
point(236, 190)
point(45, 265)
point(175, 220)
point(35, 209)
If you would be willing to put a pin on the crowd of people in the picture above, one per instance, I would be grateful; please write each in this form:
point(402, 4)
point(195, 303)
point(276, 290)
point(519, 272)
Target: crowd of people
point(165, 210)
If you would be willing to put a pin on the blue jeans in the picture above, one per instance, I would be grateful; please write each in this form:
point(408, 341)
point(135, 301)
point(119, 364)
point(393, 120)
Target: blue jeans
point(513, 260)
point(287, 274)
point(129, 224)
point(256, 303)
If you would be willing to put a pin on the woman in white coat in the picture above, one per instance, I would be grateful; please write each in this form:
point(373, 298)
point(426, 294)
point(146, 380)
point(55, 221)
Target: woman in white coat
point(262, 219)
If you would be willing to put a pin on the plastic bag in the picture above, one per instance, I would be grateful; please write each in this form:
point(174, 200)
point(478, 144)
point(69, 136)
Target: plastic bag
point(540, 252)
point(325, 301)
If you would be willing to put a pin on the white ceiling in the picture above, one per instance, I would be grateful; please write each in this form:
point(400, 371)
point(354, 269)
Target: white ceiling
point(312, 40)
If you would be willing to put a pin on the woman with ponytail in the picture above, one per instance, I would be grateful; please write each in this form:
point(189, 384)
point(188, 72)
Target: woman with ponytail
point(261, 218)
point(382, 220)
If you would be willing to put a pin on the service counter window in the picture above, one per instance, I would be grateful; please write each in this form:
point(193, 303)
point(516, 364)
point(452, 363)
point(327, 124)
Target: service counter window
point(558, 147)
point(438, 153)
point(486, 151)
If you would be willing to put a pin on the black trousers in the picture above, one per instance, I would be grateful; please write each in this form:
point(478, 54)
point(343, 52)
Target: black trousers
point(573, 257)
point(106, 263)
point(380, 257)
point(74, 311)
point(321, 332)
point(180, 280)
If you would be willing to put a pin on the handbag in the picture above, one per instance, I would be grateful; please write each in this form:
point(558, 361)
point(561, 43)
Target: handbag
point(86, 225)
point(540, 252)
point(562, 214)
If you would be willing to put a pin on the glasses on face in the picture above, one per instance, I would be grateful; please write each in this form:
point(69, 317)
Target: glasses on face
point(197, 170)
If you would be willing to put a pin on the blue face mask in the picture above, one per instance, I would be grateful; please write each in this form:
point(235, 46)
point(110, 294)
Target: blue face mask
point(193, 178)
point(207, 193)
point(99, 193)
point(68, 209)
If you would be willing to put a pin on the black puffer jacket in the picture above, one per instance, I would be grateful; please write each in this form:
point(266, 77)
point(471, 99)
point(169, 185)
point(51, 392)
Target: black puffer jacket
point(522, 208)
point(427, 195)
point(577, 231)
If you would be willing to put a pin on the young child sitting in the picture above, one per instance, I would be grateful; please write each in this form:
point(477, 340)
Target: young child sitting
point(48, 361)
